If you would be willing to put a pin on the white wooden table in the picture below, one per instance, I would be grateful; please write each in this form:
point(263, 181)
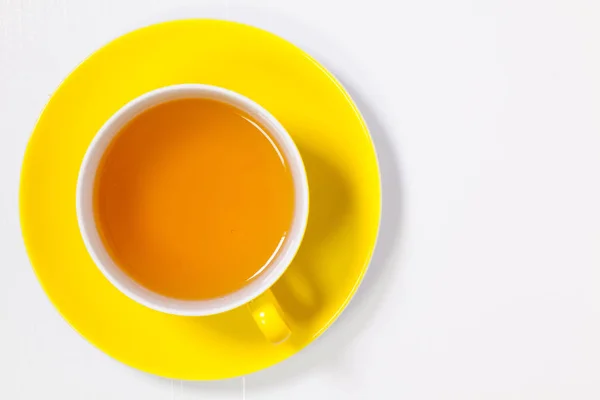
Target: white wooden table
point(486, 281)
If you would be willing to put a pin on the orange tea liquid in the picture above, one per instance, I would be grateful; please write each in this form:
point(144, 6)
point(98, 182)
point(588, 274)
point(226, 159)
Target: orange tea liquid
point(192, 199)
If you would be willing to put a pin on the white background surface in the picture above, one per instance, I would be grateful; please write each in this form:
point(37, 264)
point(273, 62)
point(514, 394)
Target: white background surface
point(486, 280)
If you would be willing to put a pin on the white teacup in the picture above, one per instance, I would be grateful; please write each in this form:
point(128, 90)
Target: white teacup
point(255, 294)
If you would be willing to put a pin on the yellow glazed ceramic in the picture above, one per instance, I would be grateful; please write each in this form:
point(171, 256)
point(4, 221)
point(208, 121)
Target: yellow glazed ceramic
point(342, 173)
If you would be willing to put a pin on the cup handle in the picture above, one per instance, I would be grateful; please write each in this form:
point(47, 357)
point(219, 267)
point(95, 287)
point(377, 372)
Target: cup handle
point(270, 319)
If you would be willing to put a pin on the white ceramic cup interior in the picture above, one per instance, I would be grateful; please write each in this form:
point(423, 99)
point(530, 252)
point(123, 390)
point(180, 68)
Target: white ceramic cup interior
point(95, 246)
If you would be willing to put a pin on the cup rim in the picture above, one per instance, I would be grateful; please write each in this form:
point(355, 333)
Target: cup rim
point(126, 284)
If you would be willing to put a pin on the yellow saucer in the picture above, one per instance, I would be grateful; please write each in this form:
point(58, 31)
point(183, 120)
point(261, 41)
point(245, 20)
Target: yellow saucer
point(342, 172)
